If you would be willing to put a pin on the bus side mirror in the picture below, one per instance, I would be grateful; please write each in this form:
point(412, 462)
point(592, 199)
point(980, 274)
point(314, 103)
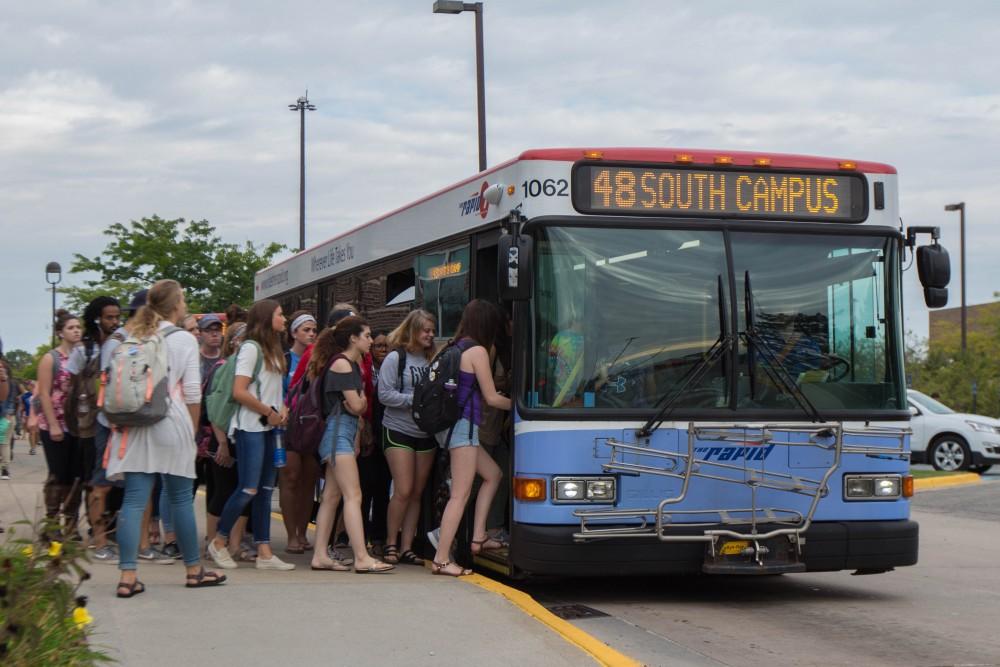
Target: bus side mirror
point(515, 259)
point(934, 270)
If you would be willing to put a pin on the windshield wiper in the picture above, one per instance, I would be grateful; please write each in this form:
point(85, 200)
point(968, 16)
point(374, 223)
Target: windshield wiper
point(772, 365)
point(720, 347)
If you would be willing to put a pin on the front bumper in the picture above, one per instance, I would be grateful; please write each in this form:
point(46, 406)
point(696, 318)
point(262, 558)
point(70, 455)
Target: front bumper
point(829, 546)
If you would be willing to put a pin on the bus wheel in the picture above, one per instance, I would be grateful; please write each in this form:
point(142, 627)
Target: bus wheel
point(950, 453)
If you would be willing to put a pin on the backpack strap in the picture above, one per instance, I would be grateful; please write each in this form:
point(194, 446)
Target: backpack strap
point(400, 366)
point(256, 370)
point(56, 364)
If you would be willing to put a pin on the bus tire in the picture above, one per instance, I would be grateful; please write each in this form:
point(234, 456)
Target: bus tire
point(950, 453)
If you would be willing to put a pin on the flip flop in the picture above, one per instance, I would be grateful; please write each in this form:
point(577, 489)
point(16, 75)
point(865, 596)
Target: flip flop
point(200, 581)
point(134, 588)
point(332, 567)
point(375, 569)
point(439, 568)
point(295, 550)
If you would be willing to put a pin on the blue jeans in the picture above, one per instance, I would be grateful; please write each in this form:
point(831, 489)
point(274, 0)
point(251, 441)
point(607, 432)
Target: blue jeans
point(138, 488)
point(255, 467)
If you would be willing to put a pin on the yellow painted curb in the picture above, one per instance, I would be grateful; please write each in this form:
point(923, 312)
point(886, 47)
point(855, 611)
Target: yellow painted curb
point(598, 650)
point(925, 483)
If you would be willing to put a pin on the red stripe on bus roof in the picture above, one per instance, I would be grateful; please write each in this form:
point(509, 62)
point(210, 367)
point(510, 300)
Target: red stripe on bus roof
point(653, 155)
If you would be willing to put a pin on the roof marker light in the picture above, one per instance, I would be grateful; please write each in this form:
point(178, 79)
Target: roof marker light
point(511, 190)
point(723, 159)
point(684, 158)
point(762, 162)
point(593, 155)
point(847, 165)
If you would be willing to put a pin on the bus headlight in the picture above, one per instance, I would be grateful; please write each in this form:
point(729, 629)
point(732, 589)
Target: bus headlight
point(592, 490)
point(873, 487)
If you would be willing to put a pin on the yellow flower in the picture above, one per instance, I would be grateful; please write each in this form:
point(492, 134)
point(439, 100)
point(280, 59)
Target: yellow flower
point(28, 551)
point(82, 617)
point(55, 548)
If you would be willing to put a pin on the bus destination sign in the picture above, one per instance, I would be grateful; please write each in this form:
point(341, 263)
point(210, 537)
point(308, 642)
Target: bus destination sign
point(727, 193)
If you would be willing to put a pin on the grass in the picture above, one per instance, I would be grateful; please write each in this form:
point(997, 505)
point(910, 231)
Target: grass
point(923, 474)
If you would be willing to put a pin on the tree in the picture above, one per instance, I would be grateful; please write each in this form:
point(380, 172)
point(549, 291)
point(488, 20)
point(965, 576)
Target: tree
point(213, 273)
point(20, 361)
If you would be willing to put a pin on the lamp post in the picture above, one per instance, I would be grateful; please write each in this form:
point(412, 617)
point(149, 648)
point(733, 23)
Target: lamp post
point(302, 105)
point(457, 7)
point(960, 207)
point(53, 275)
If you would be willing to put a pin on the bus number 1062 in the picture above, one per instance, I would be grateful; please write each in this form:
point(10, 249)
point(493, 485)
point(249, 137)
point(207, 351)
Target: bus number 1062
point(550, 187)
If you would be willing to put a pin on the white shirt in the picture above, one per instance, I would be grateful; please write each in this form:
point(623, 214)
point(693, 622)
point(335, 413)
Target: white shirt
point(266, 387)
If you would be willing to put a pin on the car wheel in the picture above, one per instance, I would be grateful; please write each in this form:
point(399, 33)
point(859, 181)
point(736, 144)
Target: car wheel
point(981, 469)
point(950, 453)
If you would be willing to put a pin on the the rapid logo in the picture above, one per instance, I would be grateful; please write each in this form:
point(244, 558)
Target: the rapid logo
point(476, 203)
point(733, 453)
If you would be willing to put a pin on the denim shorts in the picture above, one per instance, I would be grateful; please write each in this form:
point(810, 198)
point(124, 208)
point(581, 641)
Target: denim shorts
point(460, 434)
point(338, 438)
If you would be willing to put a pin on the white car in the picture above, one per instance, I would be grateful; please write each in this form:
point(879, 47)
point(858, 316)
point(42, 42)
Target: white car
point(950, 440)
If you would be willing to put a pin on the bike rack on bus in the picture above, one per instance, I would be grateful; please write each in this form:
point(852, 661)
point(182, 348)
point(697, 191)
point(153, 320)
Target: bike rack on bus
point(661, 521)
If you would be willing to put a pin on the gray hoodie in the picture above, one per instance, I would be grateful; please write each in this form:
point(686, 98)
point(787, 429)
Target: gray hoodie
point(398, 400)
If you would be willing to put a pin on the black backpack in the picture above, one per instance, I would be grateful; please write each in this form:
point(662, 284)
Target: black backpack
point(435, 396)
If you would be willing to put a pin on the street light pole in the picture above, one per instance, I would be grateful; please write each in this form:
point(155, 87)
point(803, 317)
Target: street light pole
point(53, 275)
point(960, 207)
point(457, 7)
point(302, 105)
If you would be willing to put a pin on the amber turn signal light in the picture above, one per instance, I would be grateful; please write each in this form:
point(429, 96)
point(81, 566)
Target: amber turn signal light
point(529, 489)
point(907, 486)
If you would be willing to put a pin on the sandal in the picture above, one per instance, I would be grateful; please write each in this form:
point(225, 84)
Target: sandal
point(203, 579)
point(439, 568)
point(295, 550)
point(134, 588)
point(486, 544)
point(334, 566)
point(378, 568)
point(390, 554)
point(410, 558)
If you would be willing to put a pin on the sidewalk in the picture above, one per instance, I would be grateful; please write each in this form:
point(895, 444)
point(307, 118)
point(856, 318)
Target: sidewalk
point(298, 618)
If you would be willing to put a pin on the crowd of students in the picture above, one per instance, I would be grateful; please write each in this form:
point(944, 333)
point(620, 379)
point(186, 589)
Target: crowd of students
point(367, 466)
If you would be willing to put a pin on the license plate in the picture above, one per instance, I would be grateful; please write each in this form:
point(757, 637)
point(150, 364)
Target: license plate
point(734, 548)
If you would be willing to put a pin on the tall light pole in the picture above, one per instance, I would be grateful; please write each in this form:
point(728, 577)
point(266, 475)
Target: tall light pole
point(302, 105)
point(960, 207)
point(457, 7)
point(53, 275)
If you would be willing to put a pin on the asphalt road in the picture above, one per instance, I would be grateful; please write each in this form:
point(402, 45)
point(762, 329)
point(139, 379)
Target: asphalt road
point(943, 611)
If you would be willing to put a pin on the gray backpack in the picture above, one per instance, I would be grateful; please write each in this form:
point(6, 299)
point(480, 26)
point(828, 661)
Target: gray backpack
point(134, 389)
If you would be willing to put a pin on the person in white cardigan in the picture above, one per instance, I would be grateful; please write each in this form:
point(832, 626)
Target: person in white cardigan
point(166, 448)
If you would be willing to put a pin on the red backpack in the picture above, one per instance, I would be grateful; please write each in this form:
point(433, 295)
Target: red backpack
point(306, 421)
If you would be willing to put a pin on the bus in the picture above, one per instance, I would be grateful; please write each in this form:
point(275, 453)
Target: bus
point(706, 358)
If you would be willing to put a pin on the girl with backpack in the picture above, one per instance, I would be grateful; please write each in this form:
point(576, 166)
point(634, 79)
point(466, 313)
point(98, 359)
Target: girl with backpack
point(298, 478)
point(409, 451)
point(477, 332)
point(335, 362)
point(260, 365)
point(59, 446)
point(165, 448)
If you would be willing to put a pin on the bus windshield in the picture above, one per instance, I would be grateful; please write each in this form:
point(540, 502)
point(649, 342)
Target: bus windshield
point(622, 317)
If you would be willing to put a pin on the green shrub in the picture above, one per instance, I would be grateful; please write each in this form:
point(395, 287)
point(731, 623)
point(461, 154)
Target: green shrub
point(43, 619)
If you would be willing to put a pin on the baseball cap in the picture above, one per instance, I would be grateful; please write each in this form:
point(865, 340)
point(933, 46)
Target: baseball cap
point(208, 320)
point(138, 300)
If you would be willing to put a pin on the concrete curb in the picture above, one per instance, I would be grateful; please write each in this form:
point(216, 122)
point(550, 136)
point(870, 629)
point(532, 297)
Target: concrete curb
point(963, 479)
point(595, 648)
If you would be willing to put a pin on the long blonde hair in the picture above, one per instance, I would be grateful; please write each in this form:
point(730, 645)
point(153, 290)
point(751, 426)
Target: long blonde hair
point(161, 302)
point(408, 332)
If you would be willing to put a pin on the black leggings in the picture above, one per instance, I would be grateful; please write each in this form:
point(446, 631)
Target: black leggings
point(224, 482)
point(64, 458)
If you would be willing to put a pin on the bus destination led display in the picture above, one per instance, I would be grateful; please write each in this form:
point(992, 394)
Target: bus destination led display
point(724, 193)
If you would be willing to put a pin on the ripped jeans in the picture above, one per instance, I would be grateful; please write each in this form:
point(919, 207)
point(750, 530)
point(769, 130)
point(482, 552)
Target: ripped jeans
point(255, 467)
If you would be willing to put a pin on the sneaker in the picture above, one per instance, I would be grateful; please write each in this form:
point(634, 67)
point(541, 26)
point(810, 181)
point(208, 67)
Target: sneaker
point(342, 555)
point(248, 547)
point(150, 553)
point(32, 452)
point(170, 552)
point(434, 536)
point(221, 557)
point(4, 473)
point(273, 563)
point(106, 554)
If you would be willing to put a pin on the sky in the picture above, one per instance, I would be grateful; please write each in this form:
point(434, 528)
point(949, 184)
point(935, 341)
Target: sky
point(112, 111)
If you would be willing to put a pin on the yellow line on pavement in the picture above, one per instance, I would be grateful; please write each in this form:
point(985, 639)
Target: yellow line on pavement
point(592, 646)
point(925, 483)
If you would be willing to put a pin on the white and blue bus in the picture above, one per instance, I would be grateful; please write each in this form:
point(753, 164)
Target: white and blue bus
point(707, 353)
